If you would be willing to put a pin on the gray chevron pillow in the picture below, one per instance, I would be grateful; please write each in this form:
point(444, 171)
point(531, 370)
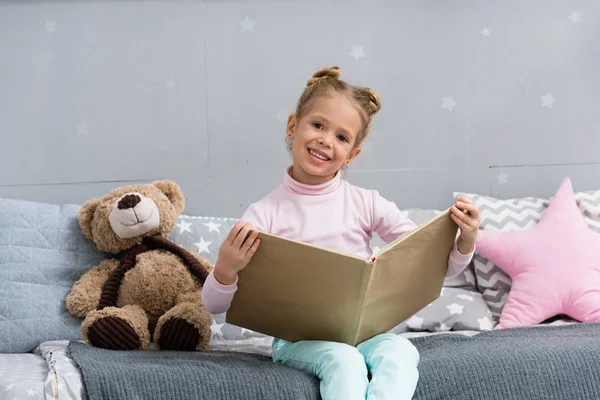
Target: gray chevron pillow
point(504, 215)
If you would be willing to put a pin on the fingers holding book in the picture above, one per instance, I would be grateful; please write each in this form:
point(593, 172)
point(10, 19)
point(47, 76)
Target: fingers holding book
point(235, 252)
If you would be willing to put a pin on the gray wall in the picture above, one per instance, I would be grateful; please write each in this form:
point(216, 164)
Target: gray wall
point(95, 94)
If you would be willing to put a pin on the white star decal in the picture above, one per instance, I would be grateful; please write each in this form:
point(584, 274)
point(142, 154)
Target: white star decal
point(10, 387)
point(575, 17)
point(50, 27)
point(282, 115)
point(465, 297)
point(357, 52)
point(485, 324)
point(448, 103)
point(485, 32)
point(247, 25)
point(31, 393)
point(213, 227)
point(184, 227)
point(548, 100)
point(502, 178)
point(455, 308)
point(202, 246)
point(82, 128)
point(216, 328)
point(170, 84)
point(415, 322)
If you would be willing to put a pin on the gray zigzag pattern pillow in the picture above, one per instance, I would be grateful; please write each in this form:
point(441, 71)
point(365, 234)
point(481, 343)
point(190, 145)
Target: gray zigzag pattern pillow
point(505, 215)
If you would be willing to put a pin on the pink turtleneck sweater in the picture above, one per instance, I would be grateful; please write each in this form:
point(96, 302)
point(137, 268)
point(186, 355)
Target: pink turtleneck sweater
point(334, 215)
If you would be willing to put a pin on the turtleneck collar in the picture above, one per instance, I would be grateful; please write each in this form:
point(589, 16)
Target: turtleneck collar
point(312, 190)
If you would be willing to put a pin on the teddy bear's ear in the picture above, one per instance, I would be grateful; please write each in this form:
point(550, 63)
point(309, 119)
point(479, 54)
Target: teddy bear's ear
point(173, 192)
point(86, 215)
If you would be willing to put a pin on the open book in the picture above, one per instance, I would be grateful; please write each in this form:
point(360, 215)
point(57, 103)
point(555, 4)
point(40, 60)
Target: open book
point(296, 291)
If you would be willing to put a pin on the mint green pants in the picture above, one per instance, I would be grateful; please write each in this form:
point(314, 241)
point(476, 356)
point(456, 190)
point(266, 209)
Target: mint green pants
point(343, 370)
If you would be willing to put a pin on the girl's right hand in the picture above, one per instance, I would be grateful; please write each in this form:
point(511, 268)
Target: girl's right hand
point(235, 252)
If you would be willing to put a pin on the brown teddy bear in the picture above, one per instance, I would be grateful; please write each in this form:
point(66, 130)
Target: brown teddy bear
point(151, 291)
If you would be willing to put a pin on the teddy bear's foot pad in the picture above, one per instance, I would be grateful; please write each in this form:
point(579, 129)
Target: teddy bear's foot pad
point(178, 334)
point(113, 333)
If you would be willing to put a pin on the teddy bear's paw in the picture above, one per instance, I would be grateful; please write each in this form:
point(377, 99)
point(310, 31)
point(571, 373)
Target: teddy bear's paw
point(178, 334)
point(117, 328)
point(185, 327)
point(113, 333)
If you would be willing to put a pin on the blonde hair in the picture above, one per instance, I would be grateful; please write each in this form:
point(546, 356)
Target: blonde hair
point(327, 80)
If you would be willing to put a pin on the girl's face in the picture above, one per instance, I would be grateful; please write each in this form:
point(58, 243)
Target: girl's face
point(324, 139)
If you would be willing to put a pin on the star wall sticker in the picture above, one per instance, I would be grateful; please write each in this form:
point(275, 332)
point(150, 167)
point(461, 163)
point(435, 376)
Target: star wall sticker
point(448, 103)
point(486, 32)
point(575, 17)
point(82, 128)
point(357, 52)
point(50, 27)
point(502, 178)
point(170, 84)
point(247, 25)
point(548, 100)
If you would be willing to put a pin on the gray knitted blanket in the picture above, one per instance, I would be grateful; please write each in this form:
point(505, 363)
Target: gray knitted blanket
point(165, 375)
point(549, 363)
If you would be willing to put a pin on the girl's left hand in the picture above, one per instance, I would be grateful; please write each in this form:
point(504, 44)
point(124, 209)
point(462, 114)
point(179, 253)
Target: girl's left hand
point(466, 215)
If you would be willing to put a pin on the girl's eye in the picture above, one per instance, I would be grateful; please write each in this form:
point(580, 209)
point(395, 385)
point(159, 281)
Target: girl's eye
point(317, 125)
point(342, 138)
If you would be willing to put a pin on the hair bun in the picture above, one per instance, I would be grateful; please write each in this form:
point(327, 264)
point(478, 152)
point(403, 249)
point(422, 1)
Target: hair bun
point(374, 101)
point(324, 73)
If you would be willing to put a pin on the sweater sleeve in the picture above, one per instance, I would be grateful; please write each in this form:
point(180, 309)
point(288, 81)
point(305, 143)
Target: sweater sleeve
point(390, 223)
point(217, 297)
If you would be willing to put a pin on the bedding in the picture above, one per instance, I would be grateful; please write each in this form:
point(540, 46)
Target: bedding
point(560, 362)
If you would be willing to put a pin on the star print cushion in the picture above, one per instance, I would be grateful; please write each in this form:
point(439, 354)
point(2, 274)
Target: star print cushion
point(516, 214)
point(456, 309)
point(554, 266)
point(205, 235)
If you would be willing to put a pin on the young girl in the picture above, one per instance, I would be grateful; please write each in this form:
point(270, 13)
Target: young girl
point(315, 205)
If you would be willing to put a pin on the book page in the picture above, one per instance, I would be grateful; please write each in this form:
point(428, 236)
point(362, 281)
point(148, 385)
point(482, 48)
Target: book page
point(296, 291)
point(407, 276)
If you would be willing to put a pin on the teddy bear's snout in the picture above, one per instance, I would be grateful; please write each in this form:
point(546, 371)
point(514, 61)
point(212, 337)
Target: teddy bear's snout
point(134, 215)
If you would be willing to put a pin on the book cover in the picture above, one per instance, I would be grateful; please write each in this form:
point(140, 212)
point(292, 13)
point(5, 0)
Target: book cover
point(297, 291)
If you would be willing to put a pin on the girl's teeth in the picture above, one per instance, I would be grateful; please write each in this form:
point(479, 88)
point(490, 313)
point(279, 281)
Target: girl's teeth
point(320, 157)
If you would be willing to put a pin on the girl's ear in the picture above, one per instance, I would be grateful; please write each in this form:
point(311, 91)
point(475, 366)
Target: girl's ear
point(353, 154)
point(291, 126)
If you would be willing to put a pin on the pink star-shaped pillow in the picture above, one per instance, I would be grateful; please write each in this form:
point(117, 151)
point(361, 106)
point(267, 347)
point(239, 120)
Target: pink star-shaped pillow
point(555, 266)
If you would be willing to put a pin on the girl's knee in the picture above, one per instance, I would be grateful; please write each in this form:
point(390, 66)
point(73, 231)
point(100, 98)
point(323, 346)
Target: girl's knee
point(403, 347)
point(391, 344)
point(343, 357)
